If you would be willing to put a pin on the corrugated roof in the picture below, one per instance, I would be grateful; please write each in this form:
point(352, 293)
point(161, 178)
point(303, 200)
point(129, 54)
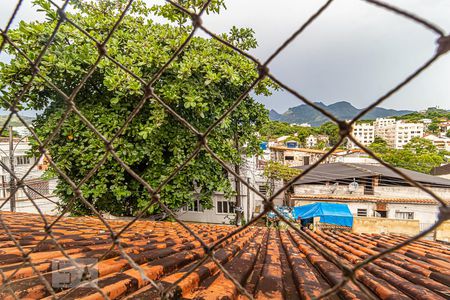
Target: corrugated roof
point(306, 150)
point(442, 170)
point(269, 263)
point(337, 171)
point(366, 198)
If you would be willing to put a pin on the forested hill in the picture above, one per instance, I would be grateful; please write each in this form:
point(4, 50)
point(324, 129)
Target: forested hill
point(343, 110)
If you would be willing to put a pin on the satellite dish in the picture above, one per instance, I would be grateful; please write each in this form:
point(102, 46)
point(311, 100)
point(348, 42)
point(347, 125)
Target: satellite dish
point(334, 187)
point(353, 186)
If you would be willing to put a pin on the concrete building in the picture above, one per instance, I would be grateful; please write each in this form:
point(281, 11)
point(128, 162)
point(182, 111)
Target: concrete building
point(223, 211)
point(22, 131)
point(310, 141)
point(442, 143)
point(442, 171)
point(40, 190)
point(444, 127)
point(295, 157)
point(372, 191)
point(397, 133)
point(354, 156)
point(363, 133)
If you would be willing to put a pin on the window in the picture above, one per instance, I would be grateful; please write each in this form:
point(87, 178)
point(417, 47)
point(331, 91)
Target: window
point(225, 207)
point(361, 212)
point(23, 160)
point(289, 158)
point(405, 215)
point(262, 189)
point(195, 206)
point(306, 160)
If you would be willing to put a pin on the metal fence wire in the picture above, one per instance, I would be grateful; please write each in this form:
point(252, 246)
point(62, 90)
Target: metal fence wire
point(443, 45)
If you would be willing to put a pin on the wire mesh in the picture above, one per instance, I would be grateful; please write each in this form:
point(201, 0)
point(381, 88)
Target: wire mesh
point(348, 271)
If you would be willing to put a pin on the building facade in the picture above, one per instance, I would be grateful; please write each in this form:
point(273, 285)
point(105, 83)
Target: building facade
point(441, 143)
point(363, 133)
point(397, 133)
point(38, 189)
point(224, 209)
point(373, 191)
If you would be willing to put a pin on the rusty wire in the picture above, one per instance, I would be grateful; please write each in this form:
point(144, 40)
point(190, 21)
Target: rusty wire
point(348, 272)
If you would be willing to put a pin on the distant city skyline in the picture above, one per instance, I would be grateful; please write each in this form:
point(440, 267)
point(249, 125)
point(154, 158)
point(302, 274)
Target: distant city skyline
point(353, 52)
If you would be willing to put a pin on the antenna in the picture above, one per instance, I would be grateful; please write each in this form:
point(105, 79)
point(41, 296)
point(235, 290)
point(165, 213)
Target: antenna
point(353, 186)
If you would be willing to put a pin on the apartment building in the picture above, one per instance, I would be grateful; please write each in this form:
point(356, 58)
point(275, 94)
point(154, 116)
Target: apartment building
point(36, 188)
point(363, 133)
point(441, 143)
point(444, 127)
point(397, 133)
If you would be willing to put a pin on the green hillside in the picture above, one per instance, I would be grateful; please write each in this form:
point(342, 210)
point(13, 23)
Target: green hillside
point(15, 122)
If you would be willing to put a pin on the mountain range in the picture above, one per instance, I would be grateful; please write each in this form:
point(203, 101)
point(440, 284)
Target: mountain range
point(342, 110)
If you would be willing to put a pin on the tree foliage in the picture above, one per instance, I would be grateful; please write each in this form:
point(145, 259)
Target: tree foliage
point(200, 85)
point(418, 155)
point(275, 129)
point(276, 171)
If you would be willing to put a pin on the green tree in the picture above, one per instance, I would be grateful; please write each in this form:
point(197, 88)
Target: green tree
point(276, 171)
point(379, 146)
point(433, 127)
point(418, 155)
point(448, 134)
point(200, 85)
point(332, 131)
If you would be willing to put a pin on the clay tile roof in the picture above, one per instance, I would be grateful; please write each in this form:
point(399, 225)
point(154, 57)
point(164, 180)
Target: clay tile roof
point(306, 150)
point(269, 263)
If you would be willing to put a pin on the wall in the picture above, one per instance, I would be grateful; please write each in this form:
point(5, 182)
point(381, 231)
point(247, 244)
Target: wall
point(409, 192)
point(386, 191)
point(443, 232)
point(47, 207)
point(383, 225)
point(320, 189)
point(210, 215)
point(424, 214)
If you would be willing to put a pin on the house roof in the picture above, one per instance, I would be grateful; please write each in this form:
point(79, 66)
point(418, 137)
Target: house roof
point(442, 170)
point(366, 198)
point(269, 263)
point(337, 171)
point(306, 150)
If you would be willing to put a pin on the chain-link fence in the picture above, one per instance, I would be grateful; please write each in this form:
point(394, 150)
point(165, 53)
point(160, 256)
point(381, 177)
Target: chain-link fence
point(443, 45)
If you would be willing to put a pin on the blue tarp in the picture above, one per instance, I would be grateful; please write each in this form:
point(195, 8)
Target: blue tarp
point(284, 210)
point(331, 213)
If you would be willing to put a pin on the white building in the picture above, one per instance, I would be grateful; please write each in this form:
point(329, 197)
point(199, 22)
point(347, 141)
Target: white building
point(223, 211)
point(22, 131)
point(363, 133)
point(444, 127)
point(38, 189)
point(397, 133)
point(354, 156)
point(311, 141)
point(372, 191)
point(442, 143)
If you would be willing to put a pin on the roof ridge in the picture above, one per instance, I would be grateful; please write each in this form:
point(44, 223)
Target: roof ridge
point(361, 168)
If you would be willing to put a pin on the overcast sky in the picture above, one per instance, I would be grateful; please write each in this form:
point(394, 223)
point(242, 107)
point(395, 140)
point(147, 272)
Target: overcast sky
point(354, 51)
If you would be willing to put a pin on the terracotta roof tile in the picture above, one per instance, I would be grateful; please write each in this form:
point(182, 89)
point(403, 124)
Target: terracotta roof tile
point(268, 263)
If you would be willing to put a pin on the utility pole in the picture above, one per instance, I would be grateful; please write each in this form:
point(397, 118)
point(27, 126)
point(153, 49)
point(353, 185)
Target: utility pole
point(12, 180)
point(237, 168)
point(248, 200)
